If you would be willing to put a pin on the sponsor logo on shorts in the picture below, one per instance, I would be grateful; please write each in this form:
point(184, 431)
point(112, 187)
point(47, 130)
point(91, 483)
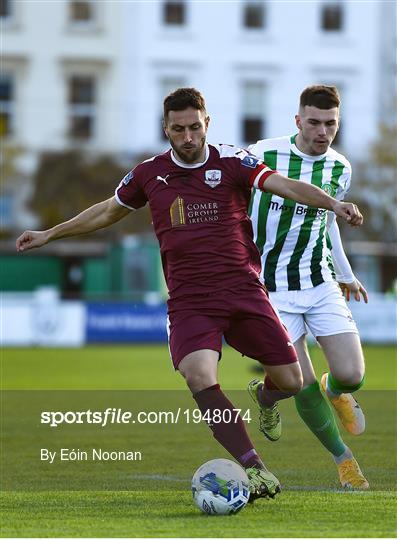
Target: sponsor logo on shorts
point(213, 177)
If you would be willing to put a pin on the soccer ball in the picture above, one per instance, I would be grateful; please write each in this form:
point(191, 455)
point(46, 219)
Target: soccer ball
point(220, 486)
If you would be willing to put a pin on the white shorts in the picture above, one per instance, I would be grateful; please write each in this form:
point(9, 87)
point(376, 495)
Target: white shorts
point(321, 309)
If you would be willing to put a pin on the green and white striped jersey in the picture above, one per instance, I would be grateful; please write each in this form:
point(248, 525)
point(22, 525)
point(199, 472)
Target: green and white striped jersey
point(290, 236)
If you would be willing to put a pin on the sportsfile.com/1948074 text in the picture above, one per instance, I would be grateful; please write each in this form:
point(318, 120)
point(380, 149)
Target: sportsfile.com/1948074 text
point(118, 416)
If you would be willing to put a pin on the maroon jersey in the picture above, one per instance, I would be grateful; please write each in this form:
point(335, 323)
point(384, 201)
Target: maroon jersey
point(200, 216)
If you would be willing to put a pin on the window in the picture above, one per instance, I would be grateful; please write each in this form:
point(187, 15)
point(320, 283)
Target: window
point(82, 107)
point(254, 15)
point(81, 12)
point(5, 9)
point(253, 123)
point(252, 130)
point(332, 17)
point(174, 13)
point(168, 85)
point(7, 105)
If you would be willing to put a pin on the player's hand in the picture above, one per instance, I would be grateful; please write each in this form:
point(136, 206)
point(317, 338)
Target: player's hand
point(349, 212)
point(356, 289)
point(30, 240)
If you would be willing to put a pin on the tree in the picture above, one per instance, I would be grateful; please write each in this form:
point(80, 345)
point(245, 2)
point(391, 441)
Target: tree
point(374, 188)
point(68, 182)
point(11, 186)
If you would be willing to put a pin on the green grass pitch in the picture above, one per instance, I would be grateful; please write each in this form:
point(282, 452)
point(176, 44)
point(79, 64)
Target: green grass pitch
point(153, 498)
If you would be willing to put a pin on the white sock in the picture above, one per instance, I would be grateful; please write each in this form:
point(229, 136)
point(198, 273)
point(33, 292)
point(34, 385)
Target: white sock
point(347, 454)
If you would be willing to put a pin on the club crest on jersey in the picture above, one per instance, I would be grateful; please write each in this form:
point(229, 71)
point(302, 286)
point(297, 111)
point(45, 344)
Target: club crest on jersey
point(329, 189)
point(213, 177)
point(127, 178)
point(250, 161)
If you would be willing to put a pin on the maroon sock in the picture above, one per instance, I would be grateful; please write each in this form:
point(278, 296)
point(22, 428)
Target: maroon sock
point(271, 393)
point(232, 434)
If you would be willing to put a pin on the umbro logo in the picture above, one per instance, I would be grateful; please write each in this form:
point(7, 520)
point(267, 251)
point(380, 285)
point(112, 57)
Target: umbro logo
point(162, 179)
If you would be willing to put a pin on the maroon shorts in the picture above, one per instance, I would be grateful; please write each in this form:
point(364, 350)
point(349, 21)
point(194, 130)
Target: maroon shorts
point(245, 318)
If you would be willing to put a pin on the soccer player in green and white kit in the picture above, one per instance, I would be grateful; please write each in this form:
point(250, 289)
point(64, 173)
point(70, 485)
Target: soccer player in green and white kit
point(298, 273)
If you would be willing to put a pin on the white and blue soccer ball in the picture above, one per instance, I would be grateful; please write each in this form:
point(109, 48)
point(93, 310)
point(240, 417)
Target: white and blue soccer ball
point(220, 487)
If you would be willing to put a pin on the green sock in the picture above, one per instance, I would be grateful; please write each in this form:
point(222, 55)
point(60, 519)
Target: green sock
point(338, 388)
point(318, 416)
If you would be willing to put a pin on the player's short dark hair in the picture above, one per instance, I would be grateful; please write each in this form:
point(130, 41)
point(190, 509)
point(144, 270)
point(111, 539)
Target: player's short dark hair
point(182, 98)
point(320, 96)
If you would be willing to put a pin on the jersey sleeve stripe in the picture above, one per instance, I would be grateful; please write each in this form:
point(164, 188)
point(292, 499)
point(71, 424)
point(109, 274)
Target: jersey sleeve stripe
point(121, 202)
point(257, 180)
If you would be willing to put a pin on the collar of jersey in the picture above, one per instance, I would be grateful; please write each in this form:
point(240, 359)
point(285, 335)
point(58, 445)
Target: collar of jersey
point(296, 151)
point(193, 165)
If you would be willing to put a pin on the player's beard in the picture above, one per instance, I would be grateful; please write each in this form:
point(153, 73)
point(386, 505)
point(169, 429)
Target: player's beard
point(188, 157)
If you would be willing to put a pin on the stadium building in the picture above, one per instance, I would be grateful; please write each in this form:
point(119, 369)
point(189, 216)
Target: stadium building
point(92, 75)
point(95, 73)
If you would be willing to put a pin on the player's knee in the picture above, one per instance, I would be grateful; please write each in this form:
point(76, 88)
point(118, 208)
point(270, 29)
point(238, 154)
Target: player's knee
point(356, 377)
point(292, 385)
point(198, 380)
point(295, 387)
point(352, 377)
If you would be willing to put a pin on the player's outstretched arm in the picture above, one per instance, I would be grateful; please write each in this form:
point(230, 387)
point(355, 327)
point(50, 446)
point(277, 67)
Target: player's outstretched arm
point(312, 196)
point(96, 217)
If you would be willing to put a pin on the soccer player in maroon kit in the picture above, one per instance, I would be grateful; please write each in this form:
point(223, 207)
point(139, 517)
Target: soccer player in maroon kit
point(198, 195)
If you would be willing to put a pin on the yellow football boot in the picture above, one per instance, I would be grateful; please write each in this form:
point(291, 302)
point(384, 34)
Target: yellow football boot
point(348, 410)
point(350, 475)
